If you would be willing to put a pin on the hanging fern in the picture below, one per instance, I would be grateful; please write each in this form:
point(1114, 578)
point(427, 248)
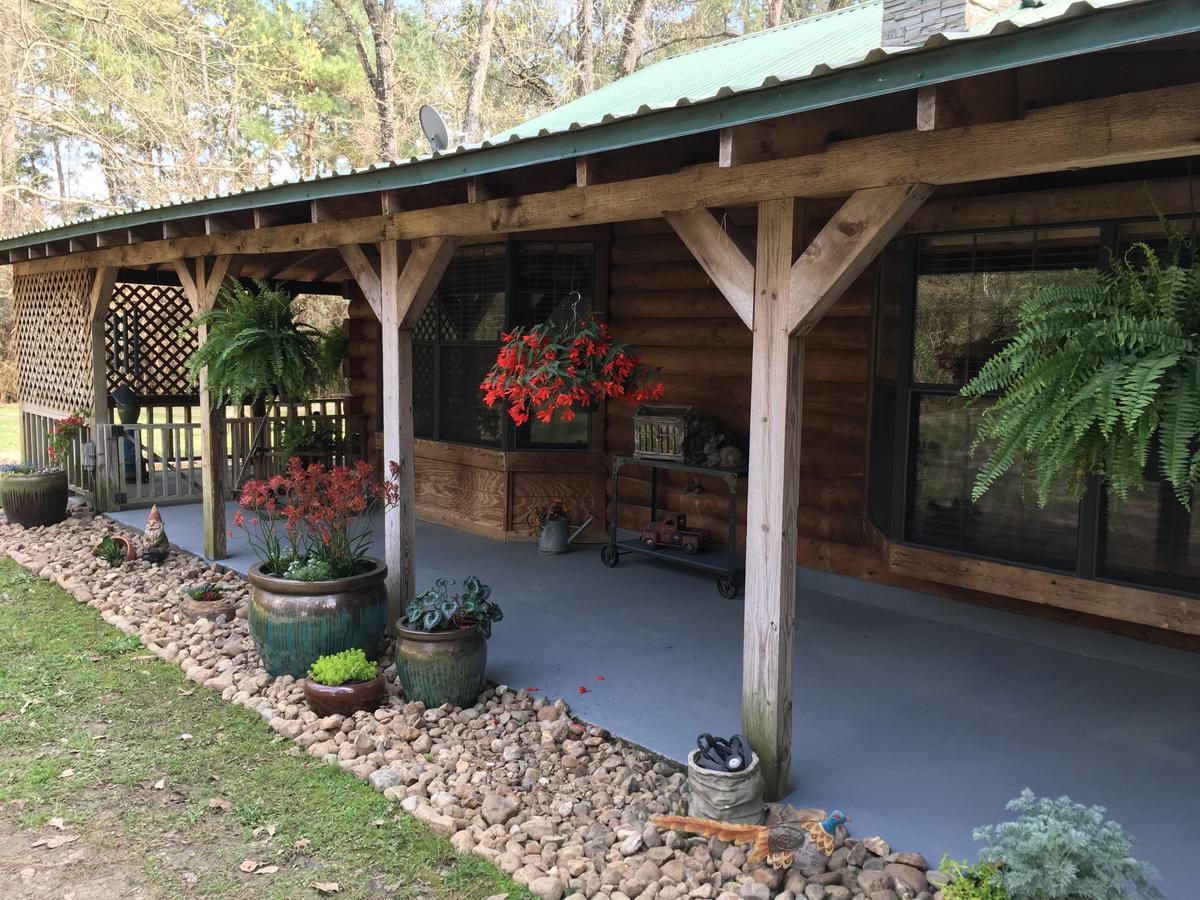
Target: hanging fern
point(255, 349)
point(1098, 375)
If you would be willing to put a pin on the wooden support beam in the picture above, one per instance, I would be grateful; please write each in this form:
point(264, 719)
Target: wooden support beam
point(776, 389)
point(399, 521)
point(366, 274)
point(420, 277)
point(1133, 127)
point(845, 247)
point(202, 279)
point(478, 190)
point(103, 282)
point(720, 257)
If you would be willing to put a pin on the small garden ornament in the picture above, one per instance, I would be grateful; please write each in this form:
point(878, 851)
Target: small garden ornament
point(806, 844)
point(155, 545)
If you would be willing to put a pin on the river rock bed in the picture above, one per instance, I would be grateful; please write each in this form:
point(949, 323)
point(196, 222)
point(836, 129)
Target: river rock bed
point(561, 806)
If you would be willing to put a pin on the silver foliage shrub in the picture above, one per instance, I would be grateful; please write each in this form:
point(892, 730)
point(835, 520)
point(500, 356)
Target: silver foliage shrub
point(1060, 850)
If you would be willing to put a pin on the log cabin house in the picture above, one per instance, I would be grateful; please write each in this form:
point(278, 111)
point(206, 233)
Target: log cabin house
point(819, 233)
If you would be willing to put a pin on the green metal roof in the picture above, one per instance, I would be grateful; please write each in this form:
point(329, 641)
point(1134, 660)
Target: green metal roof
point(805, 65)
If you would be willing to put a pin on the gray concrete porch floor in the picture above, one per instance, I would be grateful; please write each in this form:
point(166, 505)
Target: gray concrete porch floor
point(919, 716)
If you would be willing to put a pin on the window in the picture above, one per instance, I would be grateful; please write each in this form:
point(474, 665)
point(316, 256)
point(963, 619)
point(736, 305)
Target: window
point(947, 303)
point(485, 290)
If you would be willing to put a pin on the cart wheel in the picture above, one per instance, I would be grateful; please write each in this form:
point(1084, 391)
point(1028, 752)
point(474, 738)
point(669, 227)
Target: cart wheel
point(727, 586)
point(689, 548)
point(650, 542)
point(609, 555)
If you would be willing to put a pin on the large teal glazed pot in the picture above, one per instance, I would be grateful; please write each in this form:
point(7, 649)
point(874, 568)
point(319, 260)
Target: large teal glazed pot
point(440, 666)
point(294, 622)
point(32, 501)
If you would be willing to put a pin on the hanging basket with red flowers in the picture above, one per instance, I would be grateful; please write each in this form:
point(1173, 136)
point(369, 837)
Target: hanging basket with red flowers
point(565, 370)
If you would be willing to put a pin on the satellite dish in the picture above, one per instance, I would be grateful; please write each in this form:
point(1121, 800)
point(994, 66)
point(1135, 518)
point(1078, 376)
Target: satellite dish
point(434, 127)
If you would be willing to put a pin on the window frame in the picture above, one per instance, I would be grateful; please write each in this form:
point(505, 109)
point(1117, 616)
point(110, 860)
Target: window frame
point(1093, 520)
point(513, 438)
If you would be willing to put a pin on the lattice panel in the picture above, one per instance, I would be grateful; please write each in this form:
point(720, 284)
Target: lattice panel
point(54, 352)
point(146, 339)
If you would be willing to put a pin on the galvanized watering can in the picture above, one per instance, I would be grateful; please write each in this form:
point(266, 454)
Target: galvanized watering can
point(557, 535)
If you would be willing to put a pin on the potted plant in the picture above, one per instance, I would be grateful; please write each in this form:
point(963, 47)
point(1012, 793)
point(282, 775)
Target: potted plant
point(33, 495)
point(256, 350)
point(1101, 377)
point(114, 549)
point(206, 601)
point(343, 683)
point(312, 439)
point(314, 590)
point(441, 643)
point(551, 369)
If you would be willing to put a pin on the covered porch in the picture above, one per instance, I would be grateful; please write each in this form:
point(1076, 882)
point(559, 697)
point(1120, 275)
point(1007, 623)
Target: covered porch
point(920, 716)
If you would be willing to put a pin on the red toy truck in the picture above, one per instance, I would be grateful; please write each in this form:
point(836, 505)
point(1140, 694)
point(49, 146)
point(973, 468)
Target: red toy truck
point(673, 532)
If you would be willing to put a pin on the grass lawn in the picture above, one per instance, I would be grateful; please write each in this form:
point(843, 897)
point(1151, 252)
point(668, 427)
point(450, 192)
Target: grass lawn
point(120, 778)
point(10, 444)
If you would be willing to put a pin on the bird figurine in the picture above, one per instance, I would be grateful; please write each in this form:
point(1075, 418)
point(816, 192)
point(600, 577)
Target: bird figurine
point(777, 844)
point(155, 545)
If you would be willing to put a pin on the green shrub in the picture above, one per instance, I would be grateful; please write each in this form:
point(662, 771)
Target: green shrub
point(1059, 850)
point(340, 668)
point(436, 609)
point(980, 881)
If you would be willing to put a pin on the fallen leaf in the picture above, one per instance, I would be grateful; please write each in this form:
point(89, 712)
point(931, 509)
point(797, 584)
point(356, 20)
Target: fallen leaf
point(185, 737)
point(379, 822)
point(327, 887)
point(267, 870)
point(584, 690)
point(66, 773)
point(187, 693)
point(270, 829)
point(58, 823)
point(599, 677)
point(219, 803)
point(161, 784)
point(191, 879)
point(301, 843)
point(248, 865)
point(532, 690)
point(55, 842)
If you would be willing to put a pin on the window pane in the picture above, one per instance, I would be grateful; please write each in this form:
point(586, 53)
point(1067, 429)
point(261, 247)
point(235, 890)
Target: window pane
point(464, 415)
point(424, 395)
point(1151, 539)
point(571, 435)
point(1006, 523)
point(554, 281)
point(970, 287)
point(471, 295)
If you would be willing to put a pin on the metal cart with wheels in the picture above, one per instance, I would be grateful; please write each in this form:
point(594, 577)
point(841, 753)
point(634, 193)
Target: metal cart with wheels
point(727, 563)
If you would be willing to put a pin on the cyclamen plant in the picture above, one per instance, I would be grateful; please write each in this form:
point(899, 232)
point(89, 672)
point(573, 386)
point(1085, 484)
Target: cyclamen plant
point(550, 369)
point(314, 523)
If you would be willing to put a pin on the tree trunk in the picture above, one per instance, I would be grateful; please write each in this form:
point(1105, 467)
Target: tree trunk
point(632, 36)
point(774, 13)
point(585, 80)
point(479, 69)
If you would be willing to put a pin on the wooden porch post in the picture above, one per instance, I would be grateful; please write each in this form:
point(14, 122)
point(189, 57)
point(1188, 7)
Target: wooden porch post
point(104, 279)
point(398, 295)
point(202, 279)
point(771, 501)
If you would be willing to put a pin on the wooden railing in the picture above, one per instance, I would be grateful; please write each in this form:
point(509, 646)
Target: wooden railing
point(159, 462)
point(35, 423)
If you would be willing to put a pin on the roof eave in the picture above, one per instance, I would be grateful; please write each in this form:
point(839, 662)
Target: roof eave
point(899, 71)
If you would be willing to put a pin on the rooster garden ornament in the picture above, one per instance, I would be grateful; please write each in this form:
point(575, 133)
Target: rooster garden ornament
point(808, 844)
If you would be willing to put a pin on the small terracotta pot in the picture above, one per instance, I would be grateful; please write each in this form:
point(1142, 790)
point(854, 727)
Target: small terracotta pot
point(344, 699)
point(130, 552)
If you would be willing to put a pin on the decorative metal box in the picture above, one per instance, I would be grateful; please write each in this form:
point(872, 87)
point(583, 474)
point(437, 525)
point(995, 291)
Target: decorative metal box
point(660, 431)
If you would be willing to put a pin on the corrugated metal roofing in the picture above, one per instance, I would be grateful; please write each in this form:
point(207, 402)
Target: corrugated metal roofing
point(741, 68)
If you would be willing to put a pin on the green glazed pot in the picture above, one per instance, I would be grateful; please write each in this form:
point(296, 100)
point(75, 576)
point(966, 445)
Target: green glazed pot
point(294, 622)
point(35, 500)
point(441, 666)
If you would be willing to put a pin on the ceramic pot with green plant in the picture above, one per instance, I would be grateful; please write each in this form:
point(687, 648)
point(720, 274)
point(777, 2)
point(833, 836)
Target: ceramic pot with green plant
point(314, 591)
point(441, 643)
point(35, 496)
point(114, 549)
point(344, 683)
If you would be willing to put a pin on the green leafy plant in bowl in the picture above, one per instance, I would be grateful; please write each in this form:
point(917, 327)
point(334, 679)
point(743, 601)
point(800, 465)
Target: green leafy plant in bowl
point(340, 668)
point(436, 609)
point(344, 683)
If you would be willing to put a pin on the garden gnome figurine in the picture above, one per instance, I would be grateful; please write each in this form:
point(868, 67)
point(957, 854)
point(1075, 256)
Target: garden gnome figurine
point(154, 539)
